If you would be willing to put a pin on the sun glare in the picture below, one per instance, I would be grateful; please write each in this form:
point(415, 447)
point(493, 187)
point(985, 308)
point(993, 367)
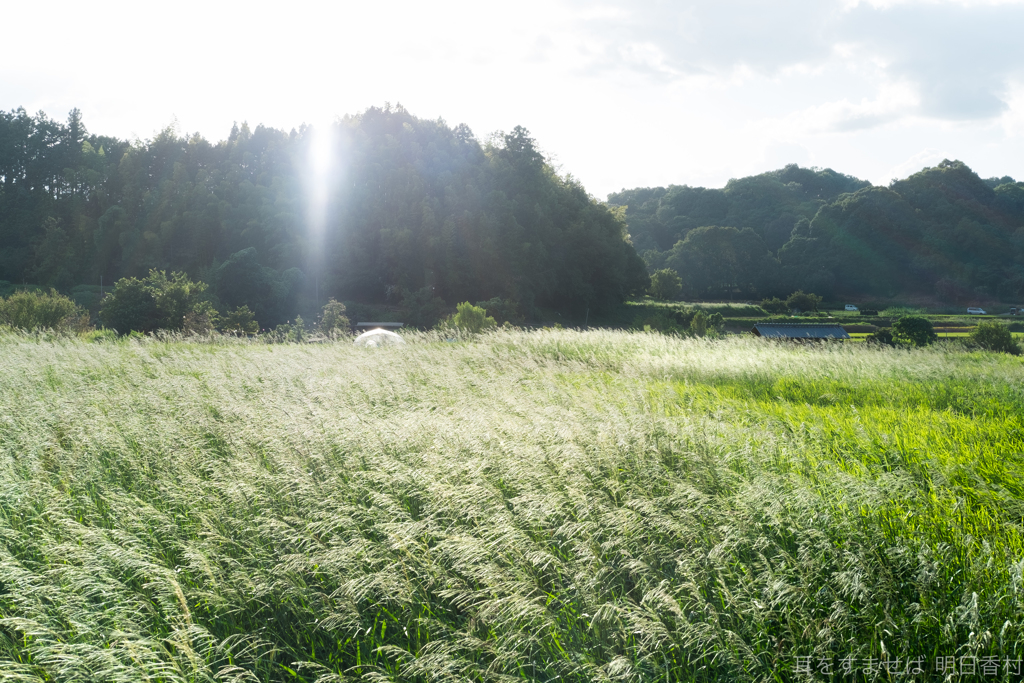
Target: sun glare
point(322, 165)
point(321, 150)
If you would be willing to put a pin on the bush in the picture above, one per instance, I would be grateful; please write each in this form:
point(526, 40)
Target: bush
point(882, 336)
point(129, 307)
point(97, 336)
point(158, 302)
point(425, 309)
point(333, 320)
point(802, 301)
point(994, 336)
point(775, 306)
point(38, 310)
point(240, 321)
point(202, 318)
point(503, 311)
point(662, 321)
point(913, 330)
point(471, 318)
point(666, 285)
point(707, 324)
point(868, 311)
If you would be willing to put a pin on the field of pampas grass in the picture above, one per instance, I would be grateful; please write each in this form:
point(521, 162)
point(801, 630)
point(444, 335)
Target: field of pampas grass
point(542, 506)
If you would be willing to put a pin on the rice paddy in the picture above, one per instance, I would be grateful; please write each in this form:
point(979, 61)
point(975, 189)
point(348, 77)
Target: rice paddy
point(543, 506)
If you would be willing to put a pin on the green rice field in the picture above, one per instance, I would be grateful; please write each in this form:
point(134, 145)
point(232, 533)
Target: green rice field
point(544, 506)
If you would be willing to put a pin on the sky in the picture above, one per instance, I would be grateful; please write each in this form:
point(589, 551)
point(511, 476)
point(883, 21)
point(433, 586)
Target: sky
point(618, 94)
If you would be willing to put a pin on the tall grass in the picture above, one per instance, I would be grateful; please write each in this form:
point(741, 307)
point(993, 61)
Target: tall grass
point(555, 505)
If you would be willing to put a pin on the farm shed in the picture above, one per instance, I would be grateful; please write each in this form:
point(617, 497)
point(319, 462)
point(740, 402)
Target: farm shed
point(800, 331)
point(381, 326)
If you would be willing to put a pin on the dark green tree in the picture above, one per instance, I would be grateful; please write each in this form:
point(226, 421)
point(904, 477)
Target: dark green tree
point(803, 301)
point(994, 336)
point(157, 302)
point(502, 310)
point(717, 261)
point(911, 330)
point(425, 309)
point(666, 285)
point(239, 321)
point(706, 324)
point(882, 335)
point(775, 306)
point(129, 307)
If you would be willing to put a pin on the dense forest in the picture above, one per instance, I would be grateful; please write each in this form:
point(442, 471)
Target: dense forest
point(405, 209)
point(943, 233)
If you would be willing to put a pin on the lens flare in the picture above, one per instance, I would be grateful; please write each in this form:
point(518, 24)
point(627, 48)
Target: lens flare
point(323, 170)
point(321, 150)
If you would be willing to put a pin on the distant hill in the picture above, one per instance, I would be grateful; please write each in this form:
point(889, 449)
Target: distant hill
point(943, 232)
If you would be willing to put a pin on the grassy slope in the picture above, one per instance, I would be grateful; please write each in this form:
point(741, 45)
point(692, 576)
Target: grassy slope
point(594, 506)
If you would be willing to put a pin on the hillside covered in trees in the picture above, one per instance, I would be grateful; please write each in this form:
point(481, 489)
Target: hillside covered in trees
point(943, 233)
point(392, 209)
point(402, 208)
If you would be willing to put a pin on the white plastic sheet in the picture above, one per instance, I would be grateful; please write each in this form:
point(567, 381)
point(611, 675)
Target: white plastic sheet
point(378, 337)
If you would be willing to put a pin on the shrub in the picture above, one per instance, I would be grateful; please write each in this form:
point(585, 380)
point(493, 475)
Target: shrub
point(503, 310)
point(202, 318)
point(994, 336)
point(240, 321)
point(471, 318)
point(36, 310)
point(775, 306)
point(868, 311)
point(666, 284)
point(129, 307)
point(333, 320)
point(286, 332)
point(803, 301)
point(157, 302)
point(425, 309)
point(913, 331)
point(707, 324)
point(97, 336)
point(663, 321)
point(882, 336)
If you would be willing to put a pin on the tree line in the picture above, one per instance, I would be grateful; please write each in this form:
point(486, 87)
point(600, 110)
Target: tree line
point(943, 232)
point(411, 210)
point(420, 214)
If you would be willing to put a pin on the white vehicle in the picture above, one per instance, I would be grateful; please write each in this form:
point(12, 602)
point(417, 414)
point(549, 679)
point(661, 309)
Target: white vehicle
point(851, 307)
point(975, 311)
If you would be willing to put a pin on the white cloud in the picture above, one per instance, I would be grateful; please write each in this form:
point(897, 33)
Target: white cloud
point(921, 160)
point(958, 55)
point(1012, 120)
point(891, 103)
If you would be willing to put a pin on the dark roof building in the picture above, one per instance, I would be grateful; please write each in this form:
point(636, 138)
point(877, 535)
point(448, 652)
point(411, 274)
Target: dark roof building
point(808, 331)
